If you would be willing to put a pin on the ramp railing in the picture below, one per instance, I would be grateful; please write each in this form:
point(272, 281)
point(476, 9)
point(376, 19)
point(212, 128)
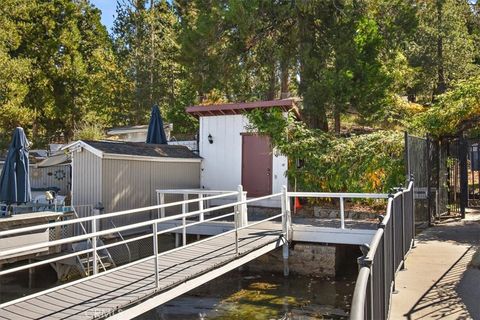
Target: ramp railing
point(95, 233)
point(384, 257)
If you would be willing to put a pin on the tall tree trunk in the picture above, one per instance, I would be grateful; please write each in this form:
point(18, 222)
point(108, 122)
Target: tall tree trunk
point(336, 117)
point(318, 120)
point(441, 83)
point(137, 111)
point(272, 83)
point(152, 43)
point(284, 90)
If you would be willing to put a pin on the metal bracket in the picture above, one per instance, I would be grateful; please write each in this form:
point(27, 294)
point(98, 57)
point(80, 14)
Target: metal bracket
point(380, 219)
point(364, 262)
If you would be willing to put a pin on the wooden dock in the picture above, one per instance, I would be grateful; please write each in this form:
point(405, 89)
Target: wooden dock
point(130, 290)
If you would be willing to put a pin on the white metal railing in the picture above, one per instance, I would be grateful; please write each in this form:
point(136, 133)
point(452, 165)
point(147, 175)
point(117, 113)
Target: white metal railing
point(94, 234)
point(341, 197)
point(201, 194)
point(239, 215)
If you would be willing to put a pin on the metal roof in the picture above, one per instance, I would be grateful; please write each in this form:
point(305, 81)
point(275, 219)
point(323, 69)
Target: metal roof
point(240, 108)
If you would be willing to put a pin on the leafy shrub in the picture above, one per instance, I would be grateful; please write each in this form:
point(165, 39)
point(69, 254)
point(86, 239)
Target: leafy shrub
point(364, 163)
point(456, 110)
point(89, 131)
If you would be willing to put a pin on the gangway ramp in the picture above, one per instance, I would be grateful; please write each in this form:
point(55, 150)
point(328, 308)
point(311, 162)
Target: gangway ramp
point(110, 293)
point(130, 290)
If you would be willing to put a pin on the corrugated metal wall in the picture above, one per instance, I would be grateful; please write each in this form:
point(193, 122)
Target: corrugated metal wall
point(129, 184)
point(86, 183)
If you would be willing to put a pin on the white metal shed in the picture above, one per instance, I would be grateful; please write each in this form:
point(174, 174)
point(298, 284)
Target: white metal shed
point(125, 175)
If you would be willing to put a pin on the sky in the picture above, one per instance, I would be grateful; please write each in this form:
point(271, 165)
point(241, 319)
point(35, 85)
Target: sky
point(108, 11)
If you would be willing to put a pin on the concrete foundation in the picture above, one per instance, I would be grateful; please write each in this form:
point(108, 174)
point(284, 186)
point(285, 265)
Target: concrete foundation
point(310, 259)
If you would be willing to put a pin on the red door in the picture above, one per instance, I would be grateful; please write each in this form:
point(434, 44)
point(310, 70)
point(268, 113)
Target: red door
point(256, 165)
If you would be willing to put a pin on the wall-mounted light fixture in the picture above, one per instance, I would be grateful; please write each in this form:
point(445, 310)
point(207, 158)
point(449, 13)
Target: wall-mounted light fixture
point(210, 138)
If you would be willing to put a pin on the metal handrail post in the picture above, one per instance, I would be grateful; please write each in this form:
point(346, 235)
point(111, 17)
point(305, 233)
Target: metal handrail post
point(162, 201)
point(394, 268)
point(342, 214)
point(235, 218)
point(158, 202)
point(239, 208)
point(413, 213)
point(403, 229)
point(285, 230)
point(284, 210)
point(372, 293)
point(94, 247)
point(200, 207)
point(184, 220)
point(155, 253)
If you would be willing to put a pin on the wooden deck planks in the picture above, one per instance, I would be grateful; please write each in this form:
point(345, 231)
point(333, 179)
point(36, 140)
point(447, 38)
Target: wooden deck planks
point(118, 289)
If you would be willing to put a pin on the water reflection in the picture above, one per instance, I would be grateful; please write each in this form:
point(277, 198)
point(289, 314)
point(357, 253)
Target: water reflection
point(261, 296)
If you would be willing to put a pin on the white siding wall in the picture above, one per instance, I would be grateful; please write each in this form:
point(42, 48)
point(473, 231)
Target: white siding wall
point(129, 184)
point(86, 183)
point(222, 160)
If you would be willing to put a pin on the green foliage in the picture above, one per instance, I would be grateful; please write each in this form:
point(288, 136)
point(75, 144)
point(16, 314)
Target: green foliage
point(57, 66)
point(146, 45)
point(364, 163)
point(89, 131)
point(443, 49)
point(456, 110)
point(15, 72)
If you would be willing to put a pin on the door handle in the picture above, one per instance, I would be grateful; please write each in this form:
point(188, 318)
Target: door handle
point(268, 171)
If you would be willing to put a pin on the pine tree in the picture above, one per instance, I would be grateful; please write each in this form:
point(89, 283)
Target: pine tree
point(443, 50)
point(15, 72)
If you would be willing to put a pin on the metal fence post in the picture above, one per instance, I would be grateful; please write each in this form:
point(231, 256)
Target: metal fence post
point(285, 230)
point(184, 220)
point(242, 219)
point(200, 207)
point(162, 201)
point(394, 268)
point(94, 246)
point(235, 217)
point(463, 155)
point(284, 210)
point(403, 227)
point(413, 212)
point(155, 253)
point(342, 214)
point(429, 182)
point(407, 156)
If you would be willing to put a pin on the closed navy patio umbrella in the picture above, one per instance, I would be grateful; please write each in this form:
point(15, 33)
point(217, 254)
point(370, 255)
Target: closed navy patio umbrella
point(15, 181)
point(156, 133)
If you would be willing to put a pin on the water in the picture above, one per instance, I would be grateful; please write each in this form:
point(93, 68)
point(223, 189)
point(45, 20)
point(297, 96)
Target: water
point(237, 295)
point(261, 296)
point(13, 286)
